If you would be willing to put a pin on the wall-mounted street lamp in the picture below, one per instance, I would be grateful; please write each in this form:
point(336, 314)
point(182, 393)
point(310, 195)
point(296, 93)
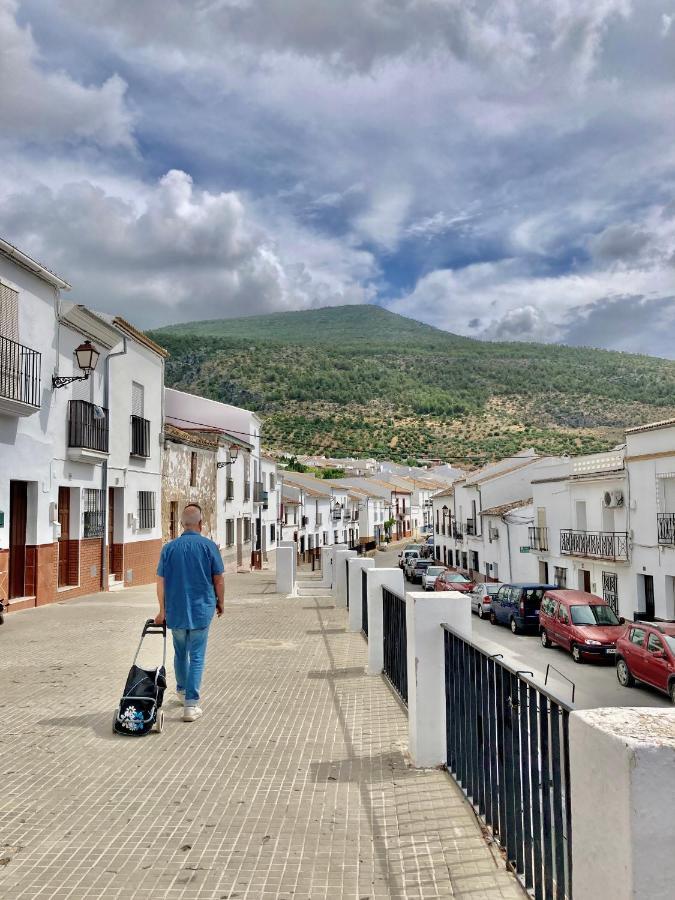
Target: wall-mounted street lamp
point(233, 455)
point(87, 356)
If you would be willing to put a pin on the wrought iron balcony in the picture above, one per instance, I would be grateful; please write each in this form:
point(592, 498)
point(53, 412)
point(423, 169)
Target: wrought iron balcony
point(598, 544)
point(337, 514)
point(140, 437)
point(457, 533)
point(87, 426)
point(666, 528)
point(538, 538)
point(19, 378)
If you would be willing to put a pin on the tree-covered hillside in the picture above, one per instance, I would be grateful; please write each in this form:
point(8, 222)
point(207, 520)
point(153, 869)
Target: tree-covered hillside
point(358, 379)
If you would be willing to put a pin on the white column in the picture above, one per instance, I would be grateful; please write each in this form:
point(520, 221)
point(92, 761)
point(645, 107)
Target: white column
point(327, 566)
point(356, 567)
point(425, 613)
point(287, 560)
point(622, 767)
point(393, 580)
point(340, 558)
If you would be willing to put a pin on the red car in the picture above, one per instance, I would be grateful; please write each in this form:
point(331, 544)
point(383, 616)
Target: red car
point(646, 652)
point(453, 581)
point(581, 623)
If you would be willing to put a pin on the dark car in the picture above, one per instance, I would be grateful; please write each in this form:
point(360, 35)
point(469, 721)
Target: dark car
point(580, 622)
point(517, 605)
point(418, 570)
point(645, 652)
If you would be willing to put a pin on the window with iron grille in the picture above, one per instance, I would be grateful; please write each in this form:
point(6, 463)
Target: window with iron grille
point(193, 469)
point(93, 513)
point(146, 509)
point(229, 532)
point(560, 576)
point(173, 519)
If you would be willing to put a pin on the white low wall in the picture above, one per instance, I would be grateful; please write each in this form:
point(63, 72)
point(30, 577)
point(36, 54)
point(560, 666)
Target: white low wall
point(287, 562)
point(393, 580)
point(622, 769)
point(327, 567)
point(425, 613)
point(356, 568)
point(339, 588)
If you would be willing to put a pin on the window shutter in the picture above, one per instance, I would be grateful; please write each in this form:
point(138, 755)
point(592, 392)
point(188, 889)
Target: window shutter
point(137, 399)
point(9, 312)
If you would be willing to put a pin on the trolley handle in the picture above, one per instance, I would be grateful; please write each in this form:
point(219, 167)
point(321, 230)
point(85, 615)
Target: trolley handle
point(151, 627)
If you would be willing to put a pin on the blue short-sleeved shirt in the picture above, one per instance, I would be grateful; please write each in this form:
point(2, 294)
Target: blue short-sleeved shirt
point(187, 566)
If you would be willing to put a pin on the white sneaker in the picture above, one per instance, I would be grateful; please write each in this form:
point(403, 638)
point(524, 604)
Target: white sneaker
point(190, 713)
point(180, 697)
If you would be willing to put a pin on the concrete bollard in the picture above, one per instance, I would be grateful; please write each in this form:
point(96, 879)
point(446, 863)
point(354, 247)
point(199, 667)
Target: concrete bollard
point(287, 561)
point(356, 568)
point(340, 558)
point(326, 567)
point(377, 579)
point(425, 613)
point(622, 767)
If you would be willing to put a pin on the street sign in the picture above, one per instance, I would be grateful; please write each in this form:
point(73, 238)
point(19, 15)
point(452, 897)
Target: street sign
point(524, 549)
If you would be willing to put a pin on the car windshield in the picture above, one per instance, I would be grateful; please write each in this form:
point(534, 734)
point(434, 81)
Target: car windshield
point(670, 641)
point(593, 614)
point(492, 588)
point(434, 570)
point(455, 576)
point(422, 564)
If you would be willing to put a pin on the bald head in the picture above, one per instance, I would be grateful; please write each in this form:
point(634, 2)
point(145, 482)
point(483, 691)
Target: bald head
point(191, 519)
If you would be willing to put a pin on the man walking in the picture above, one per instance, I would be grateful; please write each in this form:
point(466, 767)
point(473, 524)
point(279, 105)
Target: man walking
point(190, 588)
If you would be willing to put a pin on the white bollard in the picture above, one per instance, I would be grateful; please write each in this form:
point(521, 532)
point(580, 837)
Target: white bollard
point(622, 771)
point(425, 613)
point(326, 567)
point(356, 568)
point(340, 558)
point(286, 568)
point(393, 580)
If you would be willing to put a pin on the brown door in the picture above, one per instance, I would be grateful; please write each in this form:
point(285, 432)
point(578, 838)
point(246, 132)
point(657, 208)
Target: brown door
point(18, 509)
point(64, 537)
point(111, 531)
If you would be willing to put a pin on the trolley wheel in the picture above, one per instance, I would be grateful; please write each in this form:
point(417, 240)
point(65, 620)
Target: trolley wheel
point(159, 724)
point(114, 721)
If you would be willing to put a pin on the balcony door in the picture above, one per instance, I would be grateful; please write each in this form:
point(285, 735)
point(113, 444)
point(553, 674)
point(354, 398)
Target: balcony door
point(18, 514)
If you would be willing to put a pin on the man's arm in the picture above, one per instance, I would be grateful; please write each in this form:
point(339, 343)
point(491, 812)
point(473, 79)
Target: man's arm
point(219, 587)
point(159, 618)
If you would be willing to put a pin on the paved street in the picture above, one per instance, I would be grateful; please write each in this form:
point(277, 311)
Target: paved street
point(294, 785)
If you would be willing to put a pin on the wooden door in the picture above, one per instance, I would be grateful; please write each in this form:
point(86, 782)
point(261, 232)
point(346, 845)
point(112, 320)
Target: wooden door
point(111, 531)
point(18, 511)
point(64, 537)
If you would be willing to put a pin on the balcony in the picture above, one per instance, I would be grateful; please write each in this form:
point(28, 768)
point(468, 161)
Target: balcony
point(666, 528)
point(471, 530)
point(336, 515)
point(258, 492)
point(538, 538)
point(140, 437)
point(229, 489)
point(87, 431)
point(19, 378)
point(596, 544)
point(457, 533)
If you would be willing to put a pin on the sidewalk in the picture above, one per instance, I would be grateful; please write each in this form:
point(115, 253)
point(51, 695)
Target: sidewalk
point(294, 784)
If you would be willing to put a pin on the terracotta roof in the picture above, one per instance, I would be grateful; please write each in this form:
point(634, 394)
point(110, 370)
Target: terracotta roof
point(652, 426)
point(448, 492)
point(506, 507)
point(195, 439)
point(137, 335)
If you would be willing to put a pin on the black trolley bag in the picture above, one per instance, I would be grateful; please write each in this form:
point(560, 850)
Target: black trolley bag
point(139, 710)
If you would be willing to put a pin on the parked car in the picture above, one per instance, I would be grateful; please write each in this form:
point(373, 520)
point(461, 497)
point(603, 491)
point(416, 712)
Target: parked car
point(411, 549)
point(453, 581)
point(582, 623)
point(517, 605)
point(418, 570)
point(481, 598)
point(430, 576)
point(410, 564)
point(645, 651)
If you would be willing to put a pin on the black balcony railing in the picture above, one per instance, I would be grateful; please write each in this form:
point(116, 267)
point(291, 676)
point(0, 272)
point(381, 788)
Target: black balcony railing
point(457, 533)
point(597, 544)
point(364, 602)
point(666, 527)
point(337, 514)
point(538, 538)
point(265, 500)
point(140, 436)
point(395, 643)
point(229, 488)
point(471, 527)
point(19, 373)
point(508, 749)
point(87, 426)
point(258, 492)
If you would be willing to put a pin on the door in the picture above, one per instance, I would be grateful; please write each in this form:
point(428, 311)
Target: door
point(64, 537)
point(240, 555)
point(649, 597)
point(18, 511)
point(563, 627)
point(635, 652)
point(584, 581)
point(111, 531)
point(543, 572)
point(656, 663)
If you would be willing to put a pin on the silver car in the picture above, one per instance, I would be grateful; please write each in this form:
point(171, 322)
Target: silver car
point(430, 576)
point(481, 598)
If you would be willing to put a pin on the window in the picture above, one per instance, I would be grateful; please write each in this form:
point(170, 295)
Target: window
point(273, 481)
point(193, 469)
point(325, 538)
point(247, 530)
point(560, 577)
point(137, 399)
point(654, 644)
point(173, 519)
point(563, 615)
point(146, 509)
point(9, 312)
point(93, 513)
point(637, 636)
point(273, 534)
point(229, 532)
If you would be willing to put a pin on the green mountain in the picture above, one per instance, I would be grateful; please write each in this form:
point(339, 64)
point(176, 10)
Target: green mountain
point(352, 380)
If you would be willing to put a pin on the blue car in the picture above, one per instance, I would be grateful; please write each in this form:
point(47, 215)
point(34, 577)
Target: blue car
point(517, 605)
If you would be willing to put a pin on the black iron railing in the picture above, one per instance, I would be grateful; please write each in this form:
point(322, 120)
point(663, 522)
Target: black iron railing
point(508, 749)
point(19, 372)
point(337, 514)
point(87, 426)
point(364, 601)
point(229, 488)
point(140, 436)
point(598, 544)
point(457, 533)
point(538, 538)
point(265, 500)
point(666, 527)
point(395, 643)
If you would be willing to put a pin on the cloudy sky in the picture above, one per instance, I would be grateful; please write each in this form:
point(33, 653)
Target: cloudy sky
point(500, 168)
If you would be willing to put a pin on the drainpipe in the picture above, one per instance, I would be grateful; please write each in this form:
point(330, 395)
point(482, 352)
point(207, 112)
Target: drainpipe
point(508, 546)
point(104, 474)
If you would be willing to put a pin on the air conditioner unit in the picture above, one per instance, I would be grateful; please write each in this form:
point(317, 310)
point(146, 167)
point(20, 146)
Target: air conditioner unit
point(612, 499)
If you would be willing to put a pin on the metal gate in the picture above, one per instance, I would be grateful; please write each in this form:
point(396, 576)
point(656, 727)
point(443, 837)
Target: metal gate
point(395, 642)
point(364, 601)
point(610, 590)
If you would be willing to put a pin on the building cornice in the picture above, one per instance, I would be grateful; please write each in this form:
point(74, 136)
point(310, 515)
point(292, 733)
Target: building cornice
point(35, 268)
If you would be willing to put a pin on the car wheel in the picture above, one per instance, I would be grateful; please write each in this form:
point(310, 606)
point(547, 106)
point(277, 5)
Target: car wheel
point(623, 673)
point(576, 654)
point(671, 691)
point(514, 627)
point(480, 611)
point(544, 639)
point(493, 618)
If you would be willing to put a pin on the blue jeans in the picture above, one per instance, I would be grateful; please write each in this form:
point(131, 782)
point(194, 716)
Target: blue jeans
point(189, 646)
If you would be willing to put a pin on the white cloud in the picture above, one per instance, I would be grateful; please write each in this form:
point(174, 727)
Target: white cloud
point(666, 24)
point(47, 106)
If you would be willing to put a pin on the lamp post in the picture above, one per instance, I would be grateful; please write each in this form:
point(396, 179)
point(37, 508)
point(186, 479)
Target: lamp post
point(87, 357)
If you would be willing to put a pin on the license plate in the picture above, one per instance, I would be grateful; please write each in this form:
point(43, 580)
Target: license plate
point(610, 650)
